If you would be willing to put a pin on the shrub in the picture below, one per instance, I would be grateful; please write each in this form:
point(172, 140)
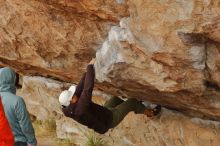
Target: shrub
point(93, 140)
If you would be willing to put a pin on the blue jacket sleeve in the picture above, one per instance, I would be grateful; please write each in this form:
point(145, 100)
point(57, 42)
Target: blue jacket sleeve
point(25, 122)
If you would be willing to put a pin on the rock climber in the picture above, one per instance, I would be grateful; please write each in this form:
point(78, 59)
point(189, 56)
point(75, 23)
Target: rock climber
point(15, 109)
point(77, 104)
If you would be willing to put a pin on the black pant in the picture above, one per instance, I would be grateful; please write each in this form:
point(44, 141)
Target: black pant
point(18, 143)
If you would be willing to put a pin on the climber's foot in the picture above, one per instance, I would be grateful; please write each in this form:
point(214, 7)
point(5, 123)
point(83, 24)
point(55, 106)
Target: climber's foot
point(157, 110)
point(153, 112)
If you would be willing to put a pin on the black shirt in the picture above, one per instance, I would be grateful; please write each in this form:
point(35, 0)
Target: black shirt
point(84, 110)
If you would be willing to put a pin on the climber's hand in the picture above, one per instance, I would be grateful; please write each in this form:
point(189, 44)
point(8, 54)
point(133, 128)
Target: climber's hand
point(92, 61)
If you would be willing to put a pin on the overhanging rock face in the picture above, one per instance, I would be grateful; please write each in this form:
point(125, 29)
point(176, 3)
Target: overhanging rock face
point(54, 37)
point(165, 52)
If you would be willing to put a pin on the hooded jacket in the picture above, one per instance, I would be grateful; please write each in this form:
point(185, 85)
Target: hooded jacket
point(6, 136)
point(15, 108)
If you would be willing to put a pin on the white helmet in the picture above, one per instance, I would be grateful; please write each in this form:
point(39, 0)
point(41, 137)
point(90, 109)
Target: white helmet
point(72, 88)
point(65, 97)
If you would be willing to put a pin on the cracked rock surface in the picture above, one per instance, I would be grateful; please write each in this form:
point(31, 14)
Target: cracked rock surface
point(167, 52)
point(171, 128)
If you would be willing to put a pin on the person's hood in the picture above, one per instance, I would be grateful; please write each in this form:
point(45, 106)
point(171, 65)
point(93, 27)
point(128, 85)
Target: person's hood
point(7, 80)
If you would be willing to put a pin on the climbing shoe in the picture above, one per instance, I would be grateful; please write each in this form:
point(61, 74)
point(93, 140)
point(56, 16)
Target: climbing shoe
point(153, 112)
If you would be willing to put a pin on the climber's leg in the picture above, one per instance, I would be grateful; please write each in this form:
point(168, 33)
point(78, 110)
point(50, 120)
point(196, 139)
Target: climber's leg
point(120, 111)
point(113, 102)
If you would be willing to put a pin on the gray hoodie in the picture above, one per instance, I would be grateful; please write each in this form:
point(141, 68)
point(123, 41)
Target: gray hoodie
point(15, 108)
